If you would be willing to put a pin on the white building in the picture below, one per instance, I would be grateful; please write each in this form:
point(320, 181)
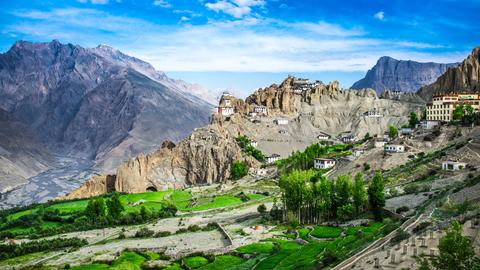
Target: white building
point(323, 136)
point(273, 158)
point(386, 136)
point(394, 148)
point(356, 152)
point(406, 131)
point(347, 138)
point(252, 114)
point(442, 106)
point(253, 143)
point(323, 163)
point(259, 172)
point(226, 110)
point(379, 143)
point(453, 165)
point(260, 109)
point(281, 121)
point(426, 124)
point(372, 113)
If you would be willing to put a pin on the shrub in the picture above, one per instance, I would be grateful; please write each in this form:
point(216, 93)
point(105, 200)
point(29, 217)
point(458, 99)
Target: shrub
point(421, 227)
point(144, 232)
point(262, 209)
point(399, 237)
point(238, 170)
point(194, 228)
point(402, 209)
point(121, 236)
point(162, 234)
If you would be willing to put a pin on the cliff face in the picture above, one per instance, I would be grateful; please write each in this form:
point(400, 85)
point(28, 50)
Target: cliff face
point(464, 78)
point(399, 75)
point(202, 158)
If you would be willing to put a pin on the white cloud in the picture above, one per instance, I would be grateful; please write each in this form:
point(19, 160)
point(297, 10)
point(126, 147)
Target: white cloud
point(248, 44)
point(235, 8)
point(162, 3)
point(380, 15)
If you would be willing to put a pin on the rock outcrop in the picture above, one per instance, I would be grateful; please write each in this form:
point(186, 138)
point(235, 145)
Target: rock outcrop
point(463, 78)
point(398, 75)
point(204, 157)
point(97, 185)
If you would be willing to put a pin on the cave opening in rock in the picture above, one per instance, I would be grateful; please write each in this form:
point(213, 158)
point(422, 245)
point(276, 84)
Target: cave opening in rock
point(152, 189)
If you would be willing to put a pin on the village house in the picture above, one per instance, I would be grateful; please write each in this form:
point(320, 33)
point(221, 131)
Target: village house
point(406, 131)
point(453, 165)
point(273, 158)
point(253, 143)
point(379, 143)
point(323, 136)
point(323, 163)
point(372, 113)
point(259, 172)
point(281, 121)
point(226, 110)
point(394, 148)
point(260, 109)
point(386, 136)
point(347, 138)
point(427, 124)
point(356, 152)
point(442, 106)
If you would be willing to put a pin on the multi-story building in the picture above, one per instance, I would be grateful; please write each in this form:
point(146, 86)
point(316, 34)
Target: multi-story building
point(442, 106)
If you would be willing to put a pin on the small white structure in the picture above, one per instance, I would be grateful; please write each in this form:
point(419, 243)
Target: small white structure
point(253, 143)
point(281, 121)
point(323, 136)
point(227, 94)
point(260, 109)
point(379, 143)
point(273, 158)
point(394, 148)
point(226, 110)
point(323, 163)
point(372, 113)
point(347, 138)
point(252, 114)
point(356, 152)
point(386, 136)
point(453, 165)
point(259, 172)
point(428, 124)
point(406, 131)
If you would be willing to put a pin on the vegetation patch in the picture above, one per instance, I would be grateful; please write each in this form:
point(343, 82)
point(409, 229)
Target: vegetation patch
point(256, 248)
point(326, 232)
point(194, 262)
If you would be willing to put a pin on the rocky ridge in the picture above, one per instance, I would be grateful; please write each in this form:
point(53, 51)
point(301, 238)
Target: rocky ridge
point(399, 75)
point(464, 78)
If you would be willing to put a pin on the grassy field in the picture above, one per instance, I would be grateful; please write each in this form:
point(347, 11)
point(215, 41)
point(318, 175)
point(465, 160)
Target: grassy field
point(326, 232)
point(256, 248)
point(133, 203)
point(194, 262)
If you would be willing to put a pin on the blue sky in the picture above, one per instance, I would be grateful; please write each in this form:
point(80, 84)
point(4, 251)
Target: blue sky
point(245, 44)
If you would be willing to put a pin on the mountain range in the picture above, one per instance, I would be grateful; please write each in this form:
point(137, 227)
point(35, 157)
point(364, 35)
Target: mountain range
point(90, 103)
point(399, 75)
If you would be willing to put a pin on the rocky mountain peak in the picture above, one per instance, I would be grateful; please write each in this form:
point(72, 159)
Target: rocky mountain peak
point(462, 78)
point(400, 75)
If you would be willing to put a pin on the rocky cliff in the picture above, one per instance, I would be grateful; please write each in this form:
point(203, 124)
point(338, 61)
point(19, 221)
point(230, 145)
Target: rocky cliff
point(463, 78)
point(398, 75)
point(202, 158)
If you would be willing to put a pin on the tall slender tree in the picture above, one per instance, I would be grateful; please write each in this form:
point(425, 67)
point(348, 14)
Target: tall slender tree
point(376, 196)
point(359, 193)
